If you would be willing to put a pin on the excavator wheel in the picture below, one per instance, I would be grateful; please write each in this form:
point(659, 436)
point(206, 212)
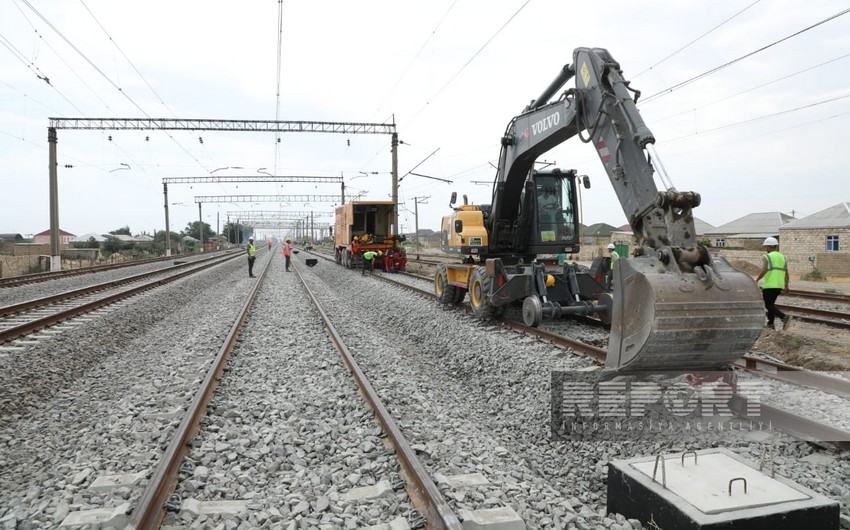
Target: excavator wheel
point(479, 295)
point(443, 290)
point(532, 311)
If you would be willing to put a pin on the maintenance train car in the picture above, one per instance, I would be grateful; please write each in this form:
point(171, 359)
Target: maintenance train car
point(361, 226)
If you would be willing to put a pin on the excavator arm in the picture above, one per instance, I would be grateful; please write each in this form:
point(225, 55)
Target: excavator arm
point(675, 307)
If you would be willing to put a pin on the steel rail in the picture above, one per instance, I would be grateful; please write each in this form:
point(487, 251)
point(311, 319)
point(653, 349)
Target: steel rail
point(794, 424)
point(832, 319)
point(75, 293)
point(34, 325)
point(814, 295)
point(149, 512)
point(23, 279)
point(795, 375)
point(421, 488)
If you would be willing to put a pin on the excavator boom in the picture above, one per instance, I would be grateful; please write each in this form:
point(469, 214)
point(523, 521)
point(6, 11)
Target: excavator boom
point(672, 306)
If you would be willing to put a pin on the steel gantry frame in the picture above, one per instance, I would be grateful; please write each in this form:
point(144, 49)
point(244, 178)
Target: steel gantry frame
point(267, 198)
point(200, 199)
point(262, 215)
point(232, 178)
point(200, 125)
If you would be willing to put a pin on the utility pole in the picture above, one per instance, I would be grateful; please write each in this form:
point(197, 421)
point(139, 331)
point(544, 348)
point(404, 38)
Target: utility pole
point(394, 149)
point(55, 253)
point(201, 225)
point(167, 227)
point(416, 201)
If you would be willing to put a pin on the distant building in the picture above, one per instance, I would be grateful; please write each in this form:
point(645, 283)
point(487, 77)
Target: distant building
point(748, 232)
point(43, 238)
point(819, 240)
point(597, 234)
point(85, 238)
point(625, 234)
point(11, 238)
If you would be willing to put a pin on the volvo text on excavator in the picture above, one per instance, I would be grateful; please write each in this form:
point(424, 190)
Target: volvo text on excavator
point(671, 305)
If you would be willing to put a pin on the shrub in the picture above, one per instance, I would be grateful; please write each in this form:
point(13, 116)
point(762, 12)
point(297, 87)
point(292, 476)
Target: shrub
point(815, 275)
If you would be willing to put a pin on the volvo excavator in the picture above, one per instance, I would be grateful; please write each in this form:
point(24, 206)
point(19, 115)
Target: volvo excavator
point(671, 305)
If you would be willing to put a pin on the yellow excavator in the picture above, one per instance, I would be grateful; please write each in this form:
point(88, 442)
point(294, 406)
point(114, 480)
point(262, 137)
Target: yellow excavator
point(672, 306)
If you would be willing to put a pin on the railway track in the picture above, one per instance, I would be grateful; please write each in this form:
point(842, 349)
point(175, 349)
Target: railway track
point(24, 279)
point(157, 495)
point(22, 319)
point(256, 455)
point(796, 424)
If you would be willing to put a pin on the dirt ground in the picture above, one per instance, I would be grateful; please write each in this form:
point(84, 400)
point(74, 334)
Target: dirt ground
point(812, 346)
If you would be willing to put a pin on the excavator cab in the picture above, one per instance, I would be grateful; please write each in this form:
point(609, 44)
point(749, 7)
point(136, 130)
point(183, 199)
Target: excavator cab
point(555, 218)
point(671, 306)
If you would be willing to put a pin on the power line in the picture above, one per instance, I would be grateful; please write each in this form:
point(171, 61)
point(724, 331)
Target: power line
point(766, 116)
point(677, 86)
point(467, 63)
point(279, 69)
point(410, 64)
point(142, 77)
point(84, 56)
point(696, 39)
point(755, 87)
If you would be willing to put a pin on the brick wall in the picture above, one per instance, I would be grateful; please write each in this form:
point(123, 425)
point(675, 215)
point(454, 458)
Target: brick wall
point(832, 264)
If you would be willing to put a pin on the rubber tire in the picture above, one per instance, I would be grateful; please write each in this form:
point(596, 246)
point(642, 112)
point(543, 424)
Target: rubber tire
point(479, 295)
point(443, 291)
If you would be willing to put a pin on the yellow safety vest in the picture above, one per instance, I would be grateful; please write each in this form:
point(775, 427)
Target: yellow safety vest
point(252, 251)
point(777, 268)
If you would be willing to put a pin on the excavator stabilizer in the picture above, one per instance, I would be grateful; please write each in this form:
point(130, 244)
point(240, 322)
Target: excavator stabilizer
point(667, 320)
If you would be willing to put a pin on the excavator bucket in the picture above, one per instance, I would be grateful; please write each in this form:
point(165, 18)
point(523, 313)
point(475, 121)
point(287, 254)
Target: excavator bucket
point(669, 321)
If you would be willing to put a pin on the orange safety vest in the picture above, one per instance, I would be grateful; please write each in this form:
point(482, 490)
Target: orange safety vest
point(287, 249)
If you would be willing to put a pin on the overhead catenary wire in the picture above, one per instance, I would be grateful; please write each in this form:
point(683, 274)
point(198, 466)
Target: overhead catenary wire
point(670, 89)
point(686, 46)
point(468, 62)
point(756, 87)
point(103, 74)
point(415, 57)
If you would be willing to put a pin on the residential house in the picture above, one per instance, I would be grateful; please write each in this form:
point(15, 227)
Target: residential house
point(820, 240)
point(43, 238)
point(747, 232)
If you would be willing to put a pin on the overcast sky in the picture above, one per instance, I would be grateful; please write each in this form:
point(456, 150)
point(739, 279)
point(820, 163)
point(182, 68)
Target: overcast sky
point(749, 101)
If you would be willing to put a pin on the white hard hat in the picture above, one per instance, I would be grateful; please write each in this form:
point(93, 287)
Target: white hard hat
point(250, 239)
point(611, 246)
point(770, 242)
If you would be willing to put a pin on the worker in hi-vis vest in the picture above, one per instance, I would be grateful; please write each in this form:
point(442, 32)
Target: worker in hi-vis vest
point(287, 252)
point(774, 270)
point(252, 255)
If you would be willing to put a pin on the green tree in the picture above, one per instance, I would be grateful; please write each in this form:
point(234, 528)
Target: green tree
point(159, 237)
point(123, 231)
point(237, 232)
point(193, 231)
